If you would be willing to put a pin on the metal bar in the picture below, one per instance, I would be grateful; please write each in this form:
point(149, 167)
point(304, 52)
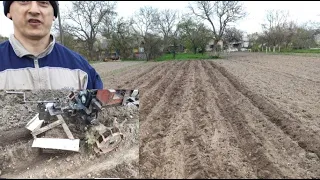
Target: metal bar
point(65, 127)
point(46, 128)
point(55, 143)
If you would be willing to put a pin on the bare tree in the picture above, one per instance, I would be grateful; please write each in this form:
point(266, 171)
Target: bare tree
point(85, 20)
point(194, 35)
point(144, 20)
point(219, 14)
point(275, 27)
point(233, 34)
point(167, 21)
point(304, 37)
point(144, 25)
point(122, 38)
point(109, 23)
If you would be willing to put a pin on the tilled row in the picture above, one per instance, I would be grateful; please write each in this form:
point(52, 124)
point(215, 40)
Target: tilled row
point(200, 122)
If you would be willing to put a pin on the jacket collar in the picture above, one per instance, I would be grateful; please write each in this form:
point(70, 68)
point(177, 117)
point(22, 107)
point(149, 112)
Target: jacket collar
point(21, 51)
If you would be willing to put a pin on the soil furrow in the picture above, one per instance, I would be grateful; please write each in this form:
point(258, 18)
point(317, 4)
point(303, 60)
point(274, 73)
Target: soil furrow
point(152, 94)
point(160, 122)
point(196, 138)
point(251, 146)
point(220, 150)
point(129, 82)
point(290, 125)
point(181, 122)
point(284, 74)
point(151, 78)
point(174, 125)
point(14, 135)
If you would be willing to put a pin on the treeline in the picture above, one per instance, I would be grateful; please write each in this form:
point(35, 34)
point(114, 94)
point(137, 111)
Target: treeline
point(94, 28)
point(281, 34)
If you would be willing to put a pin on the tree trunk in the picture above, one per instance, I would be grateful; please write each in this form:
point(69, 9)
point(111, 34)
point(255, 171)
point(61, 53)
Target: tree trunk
point(174, 50)
point(90, 48)
point(215, 48)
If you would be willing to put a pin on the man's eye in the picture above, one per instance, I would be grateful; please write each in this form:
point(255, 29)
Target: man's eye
point(44, 2)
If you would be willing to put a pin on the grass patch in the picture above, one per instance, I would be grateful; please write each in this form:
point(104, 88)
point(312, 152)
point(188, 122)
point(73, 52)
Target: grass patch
point(316, 51)
point(122, 60)
point(185, 56)
point(168, 57)
point(135, 60)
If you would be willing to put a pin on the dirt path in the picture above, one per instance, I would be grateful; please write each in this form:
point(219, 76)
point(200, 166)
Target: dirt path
point(216, 119)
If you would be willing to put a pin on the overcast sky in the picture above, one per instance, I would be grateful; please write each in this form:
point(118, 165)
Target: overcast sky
point(300, 11)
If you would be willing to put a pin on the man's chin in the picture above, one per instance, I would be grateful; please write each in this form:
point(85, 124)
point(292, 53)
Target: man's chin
point(36, 36)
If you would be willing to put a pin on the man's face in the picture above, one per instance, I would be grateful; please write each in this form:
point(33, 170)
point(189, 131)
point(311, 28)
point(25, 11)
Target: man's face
point(32, 19)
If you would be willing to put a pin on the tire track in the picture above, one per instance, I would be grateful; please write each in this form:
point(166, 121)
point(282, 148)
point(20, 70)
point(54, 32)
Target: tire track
point(284, 120)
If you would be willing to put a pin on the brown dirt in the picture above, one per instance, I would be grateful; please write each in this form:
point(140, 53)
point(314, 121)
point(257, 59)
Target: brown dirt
point(250, 115)
point(19, 160)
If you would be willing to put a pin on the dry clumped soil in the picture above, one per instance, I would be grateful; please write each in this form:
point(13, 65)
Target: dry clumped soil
point(250, 115)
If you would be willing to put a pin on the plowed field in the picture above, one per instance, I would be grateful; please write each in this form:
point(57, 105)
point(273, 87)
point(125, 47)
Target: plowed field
point(250, 115)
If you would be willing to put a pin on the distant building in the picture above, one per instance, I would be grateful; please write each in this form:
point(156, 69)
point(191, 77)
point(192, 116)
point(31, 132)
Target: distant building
point(210, 45)
point(239, 45)
point(317, 39)
point(245, 41)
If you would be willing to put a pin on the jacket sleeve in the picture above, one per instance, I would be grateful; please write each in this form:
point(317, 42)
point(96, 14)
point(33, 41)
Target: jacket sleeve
point(97, 82)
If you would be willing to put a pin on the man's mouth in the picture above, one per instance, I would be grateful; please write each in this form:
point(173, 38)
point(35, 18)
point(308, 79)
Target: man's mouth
point(34, 21)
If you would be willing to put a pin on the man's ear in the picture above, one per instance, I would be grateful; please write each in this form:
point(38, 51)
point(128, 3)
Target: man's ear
point(9, 16)
point(54, 18)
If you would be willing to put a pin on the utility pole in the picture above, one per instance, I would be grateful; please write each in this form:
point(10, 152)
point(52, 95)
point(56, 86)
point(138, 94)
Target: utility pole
point(60, 28)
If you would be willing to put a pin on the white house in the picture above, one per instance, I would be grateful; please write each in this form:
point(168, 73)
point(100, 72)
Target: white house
point(209, 47)
point(317, 39)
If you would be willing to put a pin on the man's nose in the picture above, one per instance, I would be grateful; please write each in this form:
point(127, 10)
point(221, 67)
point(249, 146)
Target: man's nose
point(34, 8)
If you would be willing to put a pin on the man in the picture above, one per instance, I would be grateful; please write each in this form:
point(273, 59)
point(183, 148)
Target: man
point(31, 59)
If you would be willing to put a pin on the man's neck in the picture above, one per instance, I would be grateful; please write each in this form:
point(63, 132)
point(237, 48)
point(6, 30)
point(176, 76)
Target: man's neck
point(35, 47)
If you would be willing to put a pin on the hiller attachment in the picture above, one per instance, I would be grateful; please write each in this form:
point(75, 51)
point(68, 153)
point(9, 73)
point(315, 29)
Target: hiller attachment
point(86, 104)
point(108, 138)
point(70, 144)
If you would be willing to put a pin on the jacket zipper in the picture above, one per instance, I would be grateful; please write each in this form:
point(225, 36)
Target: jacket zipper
point(36, 65)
